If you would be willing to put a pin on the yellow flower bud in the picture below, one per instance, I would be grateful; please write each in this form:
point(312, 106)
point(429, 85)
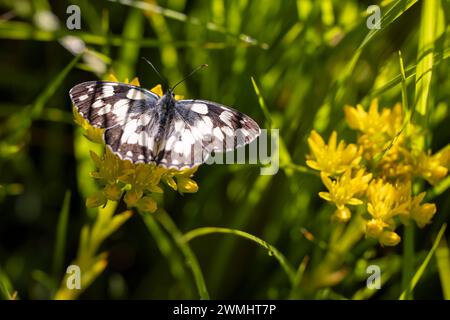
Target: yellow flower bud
point(96, 200)
point(147, 204)
point(389, 238)
point(374, 228)
point(132, 196)
point(423, 214)
point(112, 192)
point(186, 185)
point(342, 214)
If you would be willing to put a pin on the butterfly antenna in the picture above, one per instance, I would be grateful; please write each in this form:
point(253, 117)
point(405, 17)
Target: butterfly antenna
point(190, 74)
point(166, 83)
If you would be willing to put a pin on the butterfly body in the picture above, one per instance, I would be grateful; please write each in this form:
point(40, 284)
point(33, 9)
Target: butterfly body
point(143, 127)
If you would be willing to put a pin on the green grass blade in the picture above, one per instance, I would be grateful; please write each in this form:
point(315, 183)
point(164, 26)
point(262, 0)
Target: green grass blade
point(13, 30)
point(443, 265)
point(191, 259)
point(425, 56)
point(38, 105)
point(179, 16)
point(272, 250)
point(408, 241)
point(129, 53)
point(392, 14)
point(6, 288)
point(61, 234)
point(340, 88)
point(262, 104)
point(421, 270)
point(167, 249)
point(408, 260)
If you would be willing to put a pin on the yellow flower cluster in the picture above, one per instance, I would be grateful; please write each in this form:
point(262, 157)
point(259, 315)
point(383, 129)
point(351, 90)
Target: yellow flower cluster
point(377, 171)
point(135, 182)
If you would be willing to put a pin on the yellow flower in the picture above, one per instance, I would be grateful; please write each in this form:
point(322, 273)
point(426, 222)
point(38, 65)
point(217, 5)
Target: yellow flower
point(109, 168)
point(343, 191)
point(375, 228)
point(422, 213)
point(379, 131)
point(185, 183)
point(331, 159)
point(396, 163)
point(433, 168)
point(386, 201)
point(386, 149)
point(141, 180)
point(146, 204)
point(91, 133)
point(373, 123)
point(137, 182)
point(182, 181)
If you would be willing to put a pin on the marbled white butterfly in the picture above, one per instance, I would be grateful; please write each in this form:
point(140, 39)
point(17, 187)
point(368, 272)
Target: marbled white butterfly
point(143, 127)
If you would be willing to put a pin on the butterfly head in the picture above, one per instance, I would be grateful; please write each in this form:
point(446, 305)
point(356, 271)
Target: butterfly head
point(168, 99)
point(170, 93)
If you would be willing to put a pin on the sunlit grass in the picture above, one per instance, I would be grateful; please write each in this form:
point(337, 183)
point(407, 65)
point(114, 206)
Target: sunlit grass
point(292, 66)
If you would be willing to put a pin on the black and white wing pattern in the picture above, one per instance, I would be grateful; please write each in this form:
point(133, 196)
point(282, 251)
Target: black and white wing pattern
point(127, 112)
point(200, 127)
point(142, 127)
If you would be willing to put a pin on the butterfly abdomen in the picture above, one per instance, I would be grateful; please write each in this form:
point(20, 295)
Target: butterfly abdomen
point(166, 104)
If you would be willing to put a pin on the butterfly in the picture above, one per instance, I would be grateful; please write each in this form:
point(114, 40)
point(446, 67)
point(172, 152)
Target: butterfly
point(142, 126)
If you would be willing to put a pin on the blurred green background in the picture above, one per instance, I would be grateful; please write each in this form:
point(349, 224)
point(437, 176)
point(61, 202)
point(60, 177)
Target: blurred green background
point(308, 58)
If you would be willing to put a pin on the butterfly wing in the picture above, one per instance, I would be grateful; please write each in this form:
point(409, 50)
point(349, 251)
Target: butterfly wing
point(128, 113)
point(200, 127)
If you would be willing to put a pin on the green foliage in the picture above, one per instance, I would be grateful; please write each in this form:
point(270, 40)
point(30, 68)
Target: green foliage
point(292, 66)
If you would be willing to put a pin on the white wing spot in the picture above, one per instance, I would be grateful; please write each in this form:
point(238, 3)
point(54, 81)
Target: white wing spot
point(204, 126)
point(218, 133)
point(200, 108)
point(98, 104)
point(228, 131)
point(135, 94)
point(120, 109)
point(170, 142)
point(178, 147)
point(108, 91)
point(179, 126)
point(106, 109)
point(226, 117)
point(83, 97)
point(129, 133)
point(187, 137)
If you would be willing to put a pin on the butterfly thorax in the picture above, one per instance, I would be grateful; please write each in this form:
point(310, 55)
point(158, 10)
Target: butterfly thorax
point(167, 105)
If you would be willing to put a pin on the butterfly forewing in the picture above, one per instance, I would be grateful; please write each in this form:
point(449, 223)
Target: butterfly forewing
point(200, 127)
point(128, 113)
point(105, 104)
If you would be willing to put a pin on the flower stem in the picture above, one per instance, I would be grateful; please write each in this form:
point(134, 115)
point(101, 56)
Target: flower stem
point(408, 260)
